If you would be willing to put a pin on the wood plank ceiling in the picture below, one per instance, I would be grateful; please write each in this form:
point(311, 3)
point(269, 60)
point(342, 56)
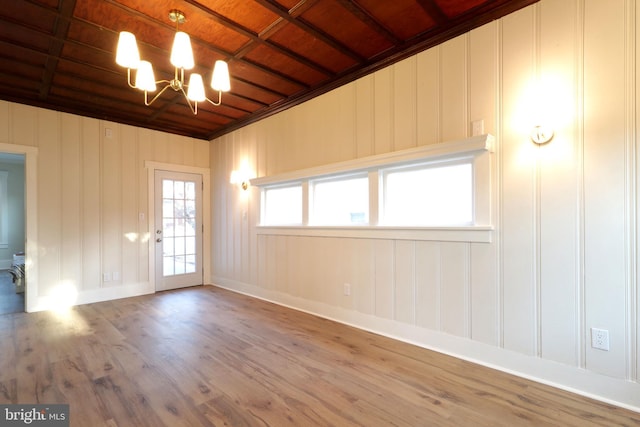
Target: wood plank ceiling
point(60, 54)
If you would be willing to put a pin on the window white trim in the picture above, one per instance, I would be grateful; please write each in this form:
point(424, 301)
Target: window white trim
point(449, 150)
point(476, 149)
point(472, 234)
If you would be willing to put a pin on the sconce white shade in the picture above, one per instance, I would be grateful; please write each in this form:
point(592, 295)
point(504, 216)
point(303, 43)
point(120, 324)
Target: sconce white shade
point(127, 54)
point(196, 88)
point(145, 80)
point(220, 79)
point(541, 134)
point(181, 52)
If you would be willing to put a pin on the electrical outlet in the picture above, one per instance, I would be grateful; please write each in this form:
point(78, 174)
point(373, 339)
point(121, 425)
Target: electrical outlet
point(116, 276)
point(477, 127)
point(600, 339)
point(347, 289)
point(106, 277)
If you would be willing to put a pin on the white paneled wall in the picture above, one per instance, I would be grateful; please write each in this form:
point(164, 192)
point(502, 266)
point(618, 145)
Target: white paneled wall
point(564, 251)
point(92, 199)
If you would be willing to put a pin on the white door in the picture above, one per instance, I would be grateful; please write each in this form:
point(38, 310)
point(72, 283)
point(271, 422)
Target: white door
point(178, 233)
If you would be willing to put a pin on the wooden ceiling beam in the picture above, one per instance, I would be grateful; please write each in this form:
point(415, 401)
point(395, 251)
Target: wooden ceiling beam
point(60, 34)
point(257, 40)
point(287, 15)
point(434, 11)
point(368, 19)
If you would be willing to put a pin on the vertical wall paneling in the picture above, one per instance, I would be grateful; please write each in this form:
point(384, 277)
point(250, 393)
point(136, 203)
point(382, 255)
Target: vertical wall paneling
point(604, 167)
point(482, 98)
point(557, 192)
point(281, 250)
point(518, 257)
point(70, 155)
point(362, 288)
point(293, 269)
point(428, 129)
point(383, 111)
point(127, 271)
point(405, 104)
point(49, 194)
point(428, 285)
point(384, 275)
point(632, 172)
point(484, 310)
point(365, 116)
point(5, 123)
point(91, 190)
point(635, 347)
point(454, 263)
point(111, 135)
point(23, 130)
point(144, 151)
point(405, 282)
point(481, 72)
point(455, 120)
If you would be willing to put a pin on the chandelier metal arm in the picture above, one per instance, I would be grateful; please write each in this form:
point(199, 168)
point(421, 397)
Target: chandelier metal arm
point(131, 85)
point(148, 103)
point(219, 99)
point(186, 98)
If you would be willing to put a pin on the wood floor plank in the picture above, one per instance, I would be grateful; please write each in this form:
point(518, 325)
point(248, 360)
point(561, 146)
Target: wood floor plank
point(209, 357)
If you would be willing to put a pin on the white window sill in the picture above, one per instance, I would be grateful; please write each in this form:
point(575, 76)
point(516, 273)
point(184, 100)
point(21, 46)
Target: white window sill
point(471, 234)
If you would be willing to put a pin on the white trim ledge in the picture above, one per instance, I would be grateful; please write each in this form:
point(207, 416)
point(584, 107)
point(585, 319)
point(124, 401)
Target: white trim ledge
point(471, 234)
point(451, 150)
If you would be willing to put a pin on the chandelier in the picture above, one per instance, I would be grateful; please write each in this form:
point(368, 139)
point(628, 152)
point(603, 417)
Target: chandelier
point(127, 55)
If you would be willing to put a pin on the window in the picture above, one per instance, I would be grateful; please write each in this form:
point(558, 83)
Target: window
point(428, 195)
point(436, 192)
point(340, 201)
point(282, 205)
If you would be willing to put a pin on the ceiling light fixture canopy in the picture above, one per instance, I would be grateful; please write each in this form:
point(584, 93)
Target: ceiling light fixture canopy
point(128, 56)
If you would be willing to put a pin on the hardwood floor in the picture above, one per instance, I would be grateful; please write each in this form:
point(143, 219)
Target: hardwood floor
point(208, 357)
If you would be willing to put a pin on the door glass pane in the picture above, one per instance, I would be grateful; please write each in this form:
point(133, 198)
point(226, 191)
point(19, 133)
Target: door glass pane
point(167, 224)
point(180, 265)
point(190, 264)
point(167, 264)
point(190, 190)
point(167, 208)
point(179, 221)
point(179, 189)
point(167, 246)
point(167, 188)
point(190, 245)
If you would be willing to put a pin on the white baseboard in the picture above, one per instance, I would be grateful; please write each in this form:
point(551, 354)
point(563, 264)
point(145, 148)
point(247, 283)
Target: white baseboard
point(611, 390)
point(53, 302)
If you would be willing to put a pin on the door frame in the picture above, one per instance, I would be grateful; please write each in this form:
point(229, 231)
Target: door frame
point(152, 167)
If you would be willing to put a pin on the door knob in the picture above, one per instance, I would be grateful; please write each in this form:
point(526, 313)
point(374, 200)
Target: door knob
point(158, 240)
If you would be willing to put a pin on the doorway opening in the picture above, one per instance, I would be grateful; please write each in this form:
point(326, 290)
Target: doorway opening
point(12, 233)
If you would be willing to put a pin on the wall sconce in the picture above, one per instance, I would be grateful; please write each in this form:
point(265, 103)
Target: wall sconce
point(541, 134)
point(239, 177)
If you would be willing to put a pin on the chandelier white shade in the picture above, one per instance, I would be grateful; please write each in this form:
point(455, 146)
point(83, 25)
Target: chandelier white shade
point(128, 56)
point(127, 53)
point(181, 52)
point(220, 78)
point(145, 80)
